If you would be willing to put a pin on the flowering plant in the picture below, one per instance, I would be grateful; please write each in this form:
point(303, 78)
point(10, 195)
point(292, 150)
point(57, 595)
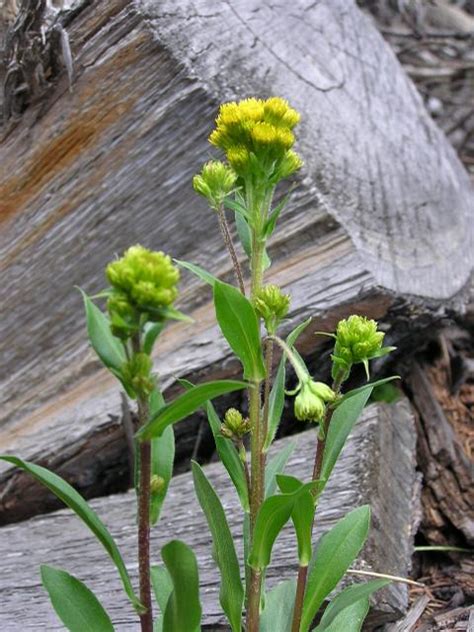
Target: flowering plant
point(257, 138)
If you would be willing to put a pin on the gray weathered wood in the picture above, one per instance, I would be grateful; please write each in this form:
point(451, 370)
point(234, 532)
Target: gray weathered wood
point(87, 173)
point(368, 472)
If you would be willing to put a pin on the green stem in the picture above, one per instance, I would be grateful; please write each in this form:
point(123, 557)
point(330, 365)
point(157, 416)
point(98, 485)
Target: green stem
point(318, 464)
point(257, 440)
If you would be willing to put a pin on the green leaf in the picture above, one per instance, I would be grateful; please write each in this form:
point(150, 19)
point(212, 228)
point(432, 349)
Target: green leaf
point(272, 220)
point(108, 348)
point(276, 403)
point(231, 593)
point(183, 610)
point(275, 466)
point(336, 551)
point(350, 619)
point(347, 598)
point(278, 612)
point(243, 232)
point(76, 502)
point(171, 313)
point(296, 332)
point(273, 514)
point(342, 421)
point(302, 517)
point(230, 458)
point(185, 405)
point(162, 459)
point(238, 208)
point(362, 389)
point(162, 585)
point(205, 276)
point(239, 324)
point(76, 605)
point(152, 331)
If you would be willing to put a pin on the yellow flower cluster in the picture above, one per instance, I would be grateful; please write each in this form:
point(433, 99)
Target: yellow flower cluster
point(258, 133)
point(143, 281)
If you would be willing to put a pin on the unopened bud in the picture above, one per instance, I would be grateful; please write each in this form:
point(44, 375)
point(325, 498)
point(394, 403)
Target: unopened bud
point(157, 484)
point(271, 305)
point(234, 426)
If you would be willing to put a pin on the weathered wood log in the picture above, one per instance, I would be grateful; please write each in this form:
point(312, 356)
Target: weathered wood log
point(448, 494)
point(366, 473)
point(87, 173)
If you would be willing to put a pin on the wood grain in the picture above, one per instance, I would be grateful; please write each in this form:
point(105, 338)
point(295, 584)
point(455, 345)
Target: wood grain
point(378, 224)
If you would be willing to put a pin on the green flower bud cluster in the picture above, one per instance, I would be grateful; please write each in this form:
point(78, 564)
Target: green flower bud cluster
point(271, 305)
point(143, 282)
point(357, 340)
point(310, 403)
point(256, 135)
point(215, 182)
point(137, 374)
point(234, 426)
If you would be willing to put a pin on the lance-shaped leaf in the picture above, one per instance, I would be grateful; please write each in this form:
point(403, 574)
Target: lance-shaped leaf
point(183, 609)
point(277, 394)
point(239, 324)
point(302, 516)
point(275, 466)
point(279, 603)
point(152, 331)
point(76, 502)
point(271, 518)
point(162, 587)
point(74, 603)
point(162, 459)
point(350, 619)
point(270, 224)
point(347, 598)
point(185, 405)
point(108, 348)
point(342, 422)
point(362, 389)
point(276, 403)
point(336, 551)
point(205, 276)
point(230, 457)
point(231, 593)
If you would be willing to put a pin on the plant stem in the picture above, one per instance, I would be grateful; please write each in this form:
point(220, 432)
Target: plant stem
point(318, 464)
point(230, 247)
point(144, 447)
point(298, 608)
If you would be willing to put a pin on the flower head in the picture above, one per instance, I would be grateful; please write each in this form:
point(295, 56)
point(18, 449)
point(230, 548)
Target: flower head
point(144, 280)
point(234, 426)
point(357, 340)
point(310, 403)
point(271, 305)
point(257, 132)
point(215, 182)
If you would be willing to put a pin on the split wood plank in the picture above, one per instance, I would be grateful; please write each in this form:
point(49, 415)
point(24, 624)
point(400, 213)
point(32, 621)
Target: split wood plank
point(377, 467)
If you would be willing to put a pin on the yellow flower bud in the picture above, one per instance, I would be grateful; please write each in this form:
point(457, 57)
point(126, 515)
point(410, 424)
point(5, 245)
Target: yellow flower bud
point(271, 305)
point(215, 182)
point(234, 426)
point(157, 484)
point(308, 405)
point(144, 279)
